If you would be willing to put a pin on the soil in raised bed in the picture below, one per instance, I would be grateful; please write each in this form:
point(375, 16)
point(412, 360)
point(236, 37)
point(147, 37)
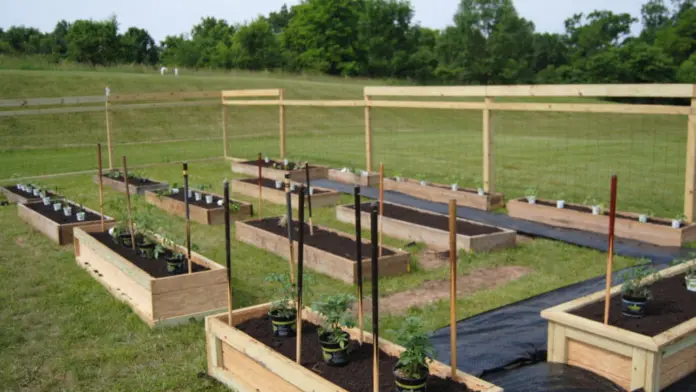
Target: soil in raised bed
point(672, 304)
point(266, 183)
point(59, 216)
point(356, 376)
point(157, 268)
point(271, 162)
point(588, 210)
point(325, 240)
point(27, 195)
point(442, 186)
point(192, 200)
point(440, 222)
point(135, 181)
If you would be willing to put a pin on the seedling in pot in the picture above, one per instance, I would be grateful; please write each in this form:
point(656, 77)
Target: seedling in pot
point(399, 177)
point(423, 182)
point(635, 292)
point(479, 189)
point(678, 221)
point(411, 371)
point(283, 314)
point(120, 234)
point(454, 182)
point(334, 341)
point(595, 205)
point(67, 209)
point(113, 174)
point(81, 214)
point(644, 218)
point(265, 158)
point(531, 194)
point(234, 206)
point(199, 193)
point(560, 202)
point(57, 204)
point(690, 274)
point(279, 184)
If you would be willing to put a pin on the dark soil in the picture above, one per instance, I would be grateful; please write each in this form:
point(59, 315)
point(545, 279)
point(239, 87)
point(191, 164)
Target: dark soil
point(588, 210)
point(322, 239)
point(270, 164)
point(135, 181)
point(442, 186)
point(59, 216)
point(672, 304)
point(429, 220)
point(157, 268)
point(192, 200)
point(28, 195)
point(356, 376)
point(266, 183)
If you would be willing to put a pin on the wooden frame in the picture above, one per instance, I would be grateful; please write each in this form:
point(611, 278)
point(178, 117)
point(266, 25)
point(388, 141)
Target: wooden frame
point(246, 365)
point(157, 301)
point(60, 233)
point(329, 198)
point(441, 193)
point(205, 216)
point(652, 233)
point(120, 186)
point(434, 238)
point(629, 359)
point(19, 198)
point(327, 263)
point(316, 172)
point(350, 178)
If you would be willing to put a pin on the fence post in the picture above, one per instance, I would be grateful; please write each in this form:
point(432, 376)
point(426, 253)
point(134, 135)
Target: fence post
point(225, 139)
point(107, 92)
point(689, 194)
point(488, 149)
point(368, 134)
point(283, 150)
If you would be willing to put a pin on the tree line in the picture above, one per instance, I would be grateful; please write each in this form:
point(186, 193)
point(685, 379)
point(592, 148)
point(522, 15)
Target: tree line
point(487, 43)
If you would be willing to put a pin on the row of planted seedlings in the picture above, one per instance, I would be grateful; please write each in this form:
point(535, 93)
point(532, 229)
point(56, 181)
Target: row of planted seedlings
point(285, 345)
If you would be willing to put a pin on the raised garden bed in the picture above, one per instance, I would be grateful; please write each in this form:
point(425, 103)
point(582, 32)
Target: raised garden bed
point(55, 224)
point(247, 358)
point(413, 224)
point(15, 195)
point(200, 211)
point(136, 185)
point(273, 170)
point(250, 187)
point(350, 177)
point(442, 193)
point(651, 352)
point(656, 231)
point(327, 251)
point(157, 296)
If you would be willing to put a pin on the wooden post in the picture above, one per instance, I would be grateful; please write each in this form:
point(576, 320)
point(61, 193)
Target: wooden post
point(690, 184)
point(358, 259)
point(488, 149)
point(300, 268)
point(101, 187)
point(368, 134)
point(130, 212)
point(381, 207)
point(109, 146)
point(309, 199)
point(288, 214)
point(283, 146)
point(228, 251)
point(375, 301)
point(610, 251)
point(188, 216)
point(225, 139)
point(453, 285)
point(260, 183)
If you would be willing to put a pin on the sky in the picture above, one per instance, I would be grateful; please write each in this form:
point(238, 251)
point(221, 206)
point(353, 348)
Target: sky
point(161, 18)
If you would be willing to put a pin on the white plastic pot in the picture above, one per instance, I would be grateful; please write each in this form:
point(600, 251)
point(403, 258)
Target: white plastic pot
point(531, 199)
point(481, 192)
point(363, 173)
point(292, 187)
point(67, 210)
point(37, 192)
point(279, 184)
point(345, 170)
point(80, 216)
point(175, 191)
point(285, 162)
point(560, 203)
point(643, 218)
point(311, 190)
point(20, 187)
point(454, 187)
point(424, 183)
point(29, 189)
point(46, 201)
point(690, 283)
point(198, 195)
point(676, 223)
point(57, 206)
point(209, 199)
point(190, 194)
point(265, 159)
point(596, 210)
point(221, 202)
point(398, 179)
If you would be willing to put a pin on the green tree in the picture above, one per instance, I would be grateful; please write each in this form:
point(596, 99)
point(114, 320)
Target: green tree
point(280, 20)
point(655, 16)
point(385, 39)
point(93, 42)
point(255, 46)
point(598, 32)
point(679, 39)
point(138, 47)
point(687, 71)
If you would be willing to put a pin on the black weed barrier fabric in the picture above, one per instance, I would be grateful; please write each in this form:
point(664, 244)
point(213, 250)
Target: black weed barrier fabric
point(551, 377)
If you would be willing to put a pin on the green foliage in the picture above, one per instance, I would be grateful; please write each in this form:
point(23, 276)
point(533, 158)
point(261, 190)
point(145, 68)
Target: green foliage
point(336, 312)
point(285, 290)
point(634, 282)
point(691, 270)
point(419, 350)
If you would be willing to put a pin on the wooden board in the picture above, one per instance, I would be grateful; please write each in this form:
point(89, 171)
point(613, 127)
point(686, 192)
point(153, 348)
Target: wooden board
point(371, 179)
point(18, 198)
point(335, 266)
point(60, 233)
point(316, 172)
point(434, 238)
point(441, 193)
point(133, 188)
point(247, 365)
point(329, 197)
point(206, 216)
point(657, 234)
point(157, 301)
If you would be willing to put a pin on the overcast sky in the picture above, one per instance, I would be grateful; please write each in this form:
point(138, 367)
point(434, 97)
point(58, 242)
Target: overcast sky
point(171, 17)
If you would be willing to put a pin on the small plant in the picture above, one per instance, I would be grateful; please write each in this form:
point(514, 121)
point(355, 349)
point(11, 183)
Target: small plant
point(413, 362)
point(644, 218)
point(635, 292)
point(113, 174)
point(689, 273)
point(530, 192)
point(678, 221)
point(81, 213)
point(285, 291)
point(333, 339)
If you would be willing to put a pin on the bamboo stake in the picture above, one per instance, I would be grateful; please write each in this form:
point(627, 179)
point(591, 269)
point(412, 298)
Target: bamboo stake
point(381, 209)
point(358, 259)
point(101, 187)
point(288, 202)
point(228, 251)
point(453, 285)
point(188, 216)
point(260, 182)
point(610, 251)
point(300, 268)
point(375, 301)
point(309, 199)
point(130, 213)
point(108, 129)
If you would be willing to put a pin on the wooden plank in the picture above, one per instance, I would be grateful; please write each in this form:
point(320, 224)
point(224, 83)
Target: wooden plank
point(225, 139)
point(329, 197)
point(120, 186)
point(252, 373)
point(371, 179)
point(255, 102)
point(488, 149)
point(442, 193)
point(592, 108)
point(205, 216)
point(165, 96)
point(35, 112)
point(316, 172)
point(273, 92)
point(428, 105)
point(136, 106)
point(639, 369)
point(690, 172)
point(186, 318)
point(343, 103)
point(616, 368)
point(281, 121)
point(368, 133)
point(39, 222)
point(62, 101)
point(190, 300)
point(676, 367)
point(599, 341)
point(652, 377)
point(557, 343)
point(18, 198)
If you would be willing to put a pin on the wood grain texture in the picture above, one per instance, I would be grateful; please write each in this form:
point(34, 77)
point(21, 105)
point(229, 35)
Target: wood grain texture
point(316, 172)
point(442, 193)
point(205, 216)
point(371, 179)
point(328, 197)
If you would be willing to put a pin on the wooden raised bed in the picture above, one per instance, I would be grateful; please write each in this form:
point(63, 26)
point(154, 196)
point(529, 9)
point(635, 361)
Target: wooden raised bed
point(245, 364)
point(371, 179)
point(199, 211)
point(158, 301)
point(16, 195)
point(251, 168)
point(442, 193)
point(630, 359)
point(328, 251)
point(414, 224)
point(250, 187)
point(54, 224)
point(576, 216)
point(134, 187)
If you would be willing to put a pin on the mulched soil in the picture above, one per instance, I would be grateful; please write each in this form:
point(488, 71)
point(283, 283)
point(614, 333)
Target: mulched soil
point(59, 216)
point(356, 376)
point(157, 268)
point(270, 164)
point(322, 239)
point(192, 200)
point(135, 181)
point(672, 304)
point(18, 191)
point(266, 183)
point(588, 210)
point(429, 220)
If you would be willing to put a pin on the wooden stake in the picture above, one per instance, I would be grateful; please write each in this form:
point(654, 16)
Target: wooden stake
point(300, 268)
point(225, 140)
point(375, 301)
point(610, 251)
point(260, 181)
point(281, 118)
point(309, 199)
point(108, 131)
point(453, 285)
point(288, 202)
point(228, 251)
point(358, 259)
point(188, 216)
point(130, 213)
point(101, 187)
point(381, 209)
